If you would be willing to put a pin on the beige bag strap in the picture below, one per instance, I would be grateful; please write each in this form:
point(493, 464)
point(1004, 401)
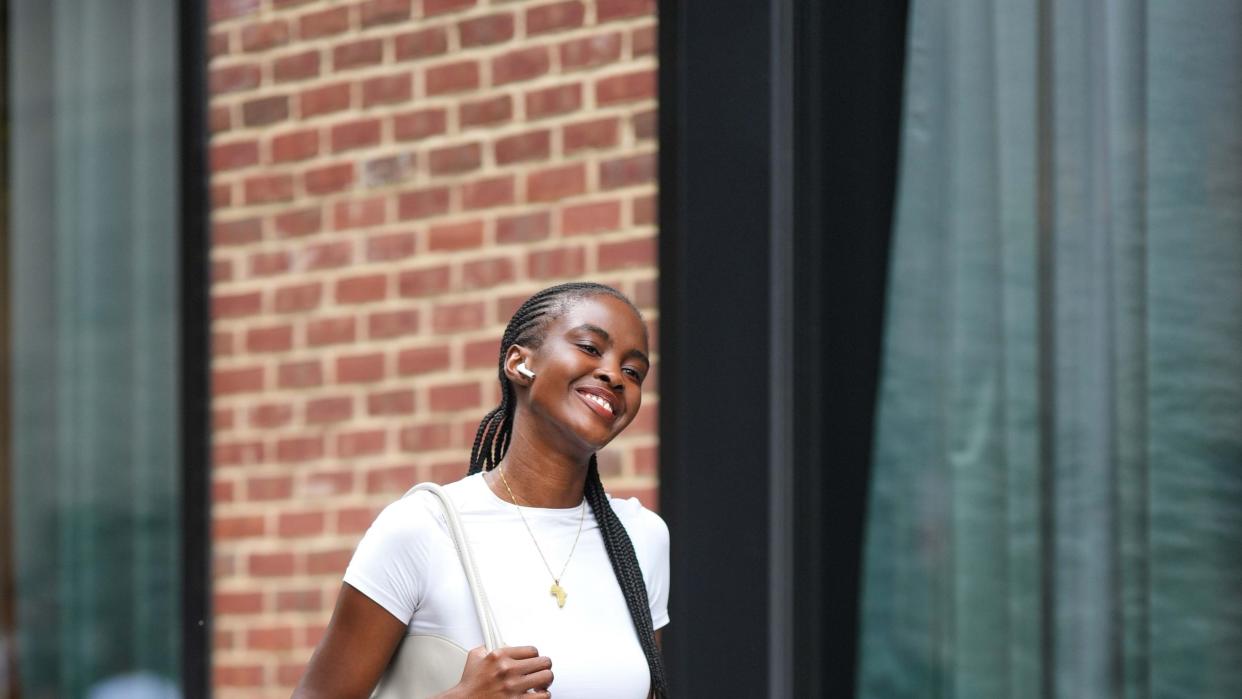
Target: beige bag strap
point(491, 633)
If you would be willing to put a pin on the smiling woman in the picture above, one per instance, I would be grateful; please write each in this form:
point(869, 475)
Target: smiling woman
point(582, 589)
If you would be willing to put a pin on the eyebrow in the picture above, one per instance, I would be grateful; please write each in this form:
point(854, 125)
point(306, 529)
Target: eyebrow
point(591, 328)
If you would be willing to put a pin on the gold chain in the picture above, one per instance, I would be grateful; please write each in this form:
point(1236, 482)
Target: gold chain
point(556, 591)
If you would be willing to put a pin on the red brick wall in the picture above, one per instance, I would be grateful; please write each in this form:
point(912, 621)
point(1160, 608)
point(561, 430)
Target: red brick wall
point(389, 179)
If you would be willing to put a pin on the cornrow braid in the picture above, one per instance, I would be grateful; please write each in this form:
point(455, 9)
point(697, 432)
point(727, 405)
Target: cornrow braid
point(491, 442)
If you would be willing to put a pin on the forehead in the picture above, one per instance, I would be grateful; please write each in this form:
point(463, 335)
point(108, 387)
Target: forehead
point(612, 315)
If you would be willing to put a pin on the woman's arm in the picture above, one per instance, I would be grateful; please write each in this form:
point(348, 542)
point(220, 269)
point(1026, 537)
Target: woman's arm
point(355, 649)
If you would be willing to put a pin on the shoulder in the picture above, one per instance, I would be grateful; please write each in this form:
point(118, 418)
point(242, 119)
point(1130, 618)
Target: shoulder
point(646, 528)
point(419, 511)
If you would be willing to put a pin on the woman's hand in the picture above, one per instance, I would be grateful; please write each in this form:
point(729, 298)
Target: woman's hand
point(505, 673)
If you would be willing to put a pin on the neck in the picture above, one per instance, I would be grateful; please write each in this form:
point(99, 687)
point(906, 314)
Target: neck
point(539, 476)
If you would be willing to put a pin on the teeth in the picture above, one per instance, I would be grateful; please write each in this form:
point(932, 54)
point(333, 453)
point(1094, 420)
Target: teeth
point(599, 400)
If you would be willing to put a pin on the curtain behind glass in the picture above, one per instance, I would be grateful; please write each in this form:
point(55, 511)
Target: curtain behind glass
point(93, 240)
point(1057, 499)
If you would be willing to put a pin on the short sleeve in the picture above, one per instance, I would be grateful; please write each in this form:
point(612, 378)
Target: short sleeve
point(392, 558)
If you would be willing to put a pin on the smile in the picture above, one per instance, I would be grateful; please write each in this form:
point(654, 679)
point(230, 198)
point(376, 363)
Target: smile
point(599, 404)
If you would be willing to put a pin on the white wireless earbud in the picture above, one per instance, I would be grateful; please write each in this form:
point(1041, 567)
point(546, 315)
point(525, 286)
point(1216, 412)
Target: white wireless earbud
point(521, 369)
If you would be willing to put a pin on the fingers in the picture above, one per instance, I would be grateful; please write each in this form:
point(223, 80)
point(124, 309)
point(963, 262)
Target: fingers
point(519, 652)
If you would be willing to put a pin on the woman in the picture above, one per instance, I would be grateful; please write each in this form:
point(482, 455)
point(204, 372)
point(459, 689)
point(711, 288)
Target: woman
point(577, 580)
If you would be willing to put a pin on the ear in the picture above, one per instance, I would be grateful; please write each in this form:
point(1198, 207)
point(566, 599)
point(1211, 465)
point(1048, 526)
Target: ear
point(516, 355)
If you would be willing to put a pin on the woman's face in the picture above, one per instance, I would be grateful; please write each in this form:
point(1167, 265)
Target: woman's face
point(590, 371)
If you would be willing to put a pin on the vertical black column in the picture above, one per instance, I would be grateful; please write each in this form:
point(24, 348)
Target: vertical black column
point(779, 126)
point(195, 355)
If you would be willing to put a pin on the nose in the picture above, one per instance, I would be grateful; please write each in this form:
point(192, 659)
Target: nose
point(607, 375)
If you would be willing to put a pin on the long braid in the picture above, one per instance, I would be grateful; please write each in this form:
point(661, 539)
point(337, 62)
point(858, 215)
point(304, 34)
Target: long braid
point(495, 432)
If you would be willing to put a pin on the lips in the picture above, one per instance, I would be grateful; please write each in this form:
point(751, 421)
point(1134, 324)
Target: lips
point(605, 403)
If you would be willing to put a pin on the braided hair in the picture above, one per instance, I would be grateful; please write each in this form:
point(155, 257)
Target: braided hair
point(491, 442)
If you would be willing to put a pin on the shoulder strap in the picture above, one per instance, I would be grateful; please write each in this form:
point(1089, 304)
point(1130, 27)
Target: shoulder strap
point(491, 633)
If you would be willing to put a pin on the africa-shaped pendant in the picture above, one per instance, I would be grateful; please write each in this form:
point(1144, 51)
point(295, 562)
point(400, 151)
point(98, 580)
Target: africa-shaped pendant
point(559, 593)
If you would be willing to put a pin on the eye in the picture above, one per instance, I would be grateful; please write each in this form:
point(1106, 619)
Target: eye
point(589, 349)
point(634, 373)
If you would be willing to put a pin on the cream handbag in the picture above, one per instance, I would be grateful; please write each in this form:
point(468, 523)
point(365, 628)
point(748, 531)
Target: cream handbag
point(426, 665)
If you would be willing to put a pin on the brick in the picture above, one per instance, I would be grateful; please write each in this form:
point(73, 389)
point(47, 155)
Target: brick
point(269, 263)
point(295, 145)
point(221, 119)
point(232, 156)
point(628, 171)
point(362, 368)
point(267, 415)
point(360, 443)
point(481, 354)
point(329, 255)
point(236, 305)
point(353, 520)
point(328, 22)
point(278, 338)
point(225, 674)
point(485, 30)
point(238, 602)
point(234, 78)
point(399, 402)
point(362, 289)
point(329, 178)
point(322, 411)
point(422, 203)
point(298, 297)
point(237, 528)
point(589, 52)
point(389, 169)
point(221, 344)
point(238, 453)
point(426, 437)
point(324, 99)
point(493, 110)
point(520, 64)
point(523, 228)
point(644, 125)
point(452, 77)
point(639, 85)
point(453, 160)
point(357, 54)
point(386, 89)
point(376, 12)
point(298, 66)
point(267, 189)
point(481, 274)
point(325, 562)
point(221, 271)
point(220, 10)
point(455, 236)
point(486, 193)
point(416, 283)
point(289, 674)
point(217, 44)
point(556, 263)
point(299, 600)
point(551, 101)
point(291, 450)
point(304, 374)
point(221, 196)
point(556, 182)
point(389, 324)
point(262, 36)
point(298, 524)
point(390, 246)
point(421, 44)
point(298, 222)
point(330, 331)
point(420, 124)
point(276, 639)
point(359, 213)
point(597, 133)
point(457, 396)
point(225, 382)
point(270, 564)
point(643, 41)
point(457, 317)
point(608, 10)
point(631, 253)
point(532, 145)
point(554, 16)
point(431, 8)
point(593, 217)
point(355, 134)
point(646, 295)
point(422, 360)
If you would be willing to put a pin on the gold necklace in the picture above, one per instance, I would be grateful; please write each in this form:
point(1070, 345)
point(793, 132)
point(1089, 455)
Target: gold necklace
point(556, 590)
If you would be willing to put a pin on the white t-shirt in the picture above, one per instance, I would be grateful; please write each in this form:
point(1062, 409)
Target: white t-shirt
point(407, 564)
